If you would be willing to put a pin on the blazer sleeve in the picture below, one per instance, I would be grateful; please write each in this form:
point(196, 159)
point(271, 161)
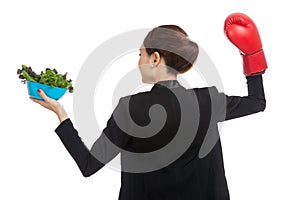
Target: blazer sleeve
point(226, 107)
point(102, 151)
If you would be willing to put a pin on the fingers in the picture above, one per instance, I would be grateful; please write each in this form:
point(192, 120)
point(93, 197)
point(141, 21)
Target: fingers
point(43, 95)
point(47, 102)
point(38, 101)
point(35, 100)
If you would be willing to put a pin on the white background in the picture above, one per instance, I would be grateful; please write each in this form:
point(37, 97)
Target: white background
point(261, 151)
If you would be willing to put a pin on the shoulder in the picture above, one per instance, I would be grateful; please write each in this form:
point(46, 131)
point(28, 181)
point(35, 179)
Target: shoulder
point(134, 100)
point(211, 91)
point(140, 95)
point(210, 88)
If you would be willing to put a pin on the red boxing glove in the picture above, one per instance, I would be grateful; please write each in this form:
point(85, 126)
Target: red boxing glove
point(242, 32)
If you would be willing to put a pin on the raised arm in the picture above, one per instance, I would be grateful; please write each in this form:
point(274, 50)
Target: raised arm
point(227, 107)
point(243, 33)
point(253, 103)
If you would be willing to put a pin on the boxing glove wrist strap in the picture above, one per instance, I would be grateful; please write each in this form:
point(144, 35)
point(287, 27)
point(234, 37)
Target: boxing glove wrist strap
point(254, 63)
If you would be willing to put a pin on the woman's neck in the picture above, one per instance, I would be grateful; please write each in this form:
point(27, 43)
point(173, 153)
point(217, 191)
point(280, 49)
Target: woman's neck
point(165, 78)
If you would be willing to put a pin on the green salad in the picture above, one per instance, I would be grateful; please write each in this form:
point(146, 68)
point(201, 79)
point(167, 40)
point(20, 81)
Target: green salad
point(50, 77)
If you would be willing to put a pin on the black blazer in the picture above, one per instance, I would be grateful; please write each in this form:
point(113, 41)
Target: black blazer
point(197, 172)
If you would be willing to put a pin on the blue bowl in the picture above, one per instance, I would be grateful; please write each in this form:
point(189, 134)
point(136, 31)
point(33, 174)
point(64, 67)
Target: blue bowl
point(52, 92)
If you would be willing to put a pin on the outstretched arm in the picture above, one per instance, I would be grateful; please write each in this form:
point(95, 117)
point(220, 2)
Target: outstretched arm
point(86, 162)
point(69, 136)
point(102, 151)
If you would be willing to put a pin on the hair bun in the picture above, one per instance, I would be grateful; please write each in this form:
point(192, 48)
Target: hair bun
point(174, 45)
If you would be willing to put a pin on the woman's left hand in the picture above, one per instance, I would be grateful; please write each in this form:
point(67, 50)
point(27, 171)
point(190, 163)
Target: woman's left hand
point(51, 104)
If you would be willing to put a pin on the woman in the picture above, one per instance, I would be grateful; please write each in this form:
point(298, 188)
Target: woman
point(165, 52)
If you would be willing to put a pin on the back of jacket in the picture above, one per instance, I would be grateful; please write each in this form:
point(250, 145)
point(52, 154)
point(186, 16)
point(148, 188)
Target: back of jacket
point(164, 161)
point(168, 139)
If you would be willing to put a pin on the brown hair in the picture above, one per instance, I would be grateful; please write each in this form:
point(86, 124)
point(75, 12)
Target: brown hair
point(173, 44)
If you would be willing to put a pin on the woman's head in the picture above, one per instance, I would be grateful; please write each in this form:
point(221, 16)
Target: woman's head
point(167, 51)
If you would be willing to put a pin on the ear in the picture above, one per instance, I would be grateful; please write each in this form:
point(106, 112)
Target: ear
point(155, 58)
